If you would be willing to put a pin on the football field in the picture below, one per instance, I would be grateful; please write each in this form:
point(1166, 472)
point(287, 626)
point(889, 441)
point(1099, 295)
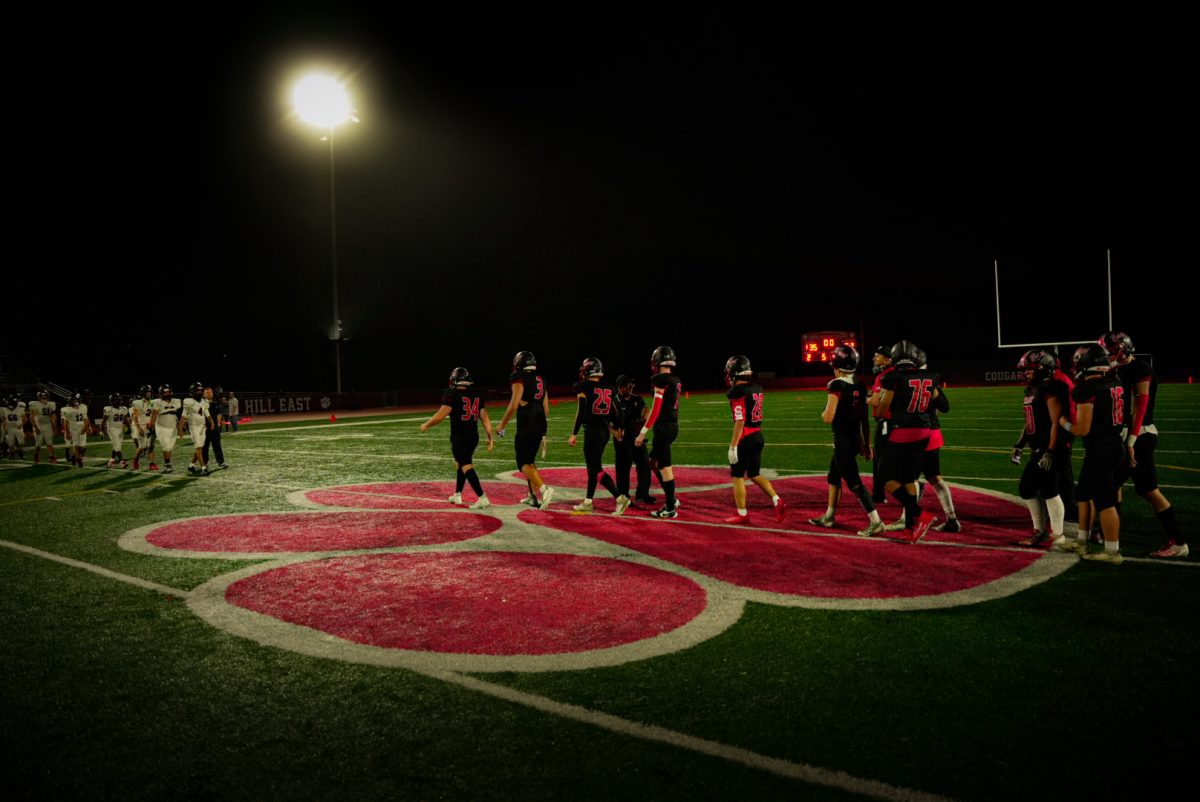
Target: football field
point(318, 622)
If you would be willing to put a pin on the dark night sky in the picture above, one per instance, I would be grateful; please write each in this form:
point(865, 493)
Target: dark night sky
point(586, 186)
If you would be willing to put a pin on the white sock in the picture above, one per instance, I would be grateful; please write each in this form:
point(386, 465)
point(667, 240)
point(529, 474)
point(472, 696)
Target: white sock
point(1036, 512)
point(1054, 506)
point(743, 513)
point(775, 500)
point(1112, 546)
point(873, 517)
point(943, 493)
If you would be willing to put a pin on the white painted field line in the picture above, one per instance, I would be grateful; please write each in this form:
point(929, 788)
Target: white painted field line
point(96, 569)
point(277, 430)
point(783, 768)
point(648, 732)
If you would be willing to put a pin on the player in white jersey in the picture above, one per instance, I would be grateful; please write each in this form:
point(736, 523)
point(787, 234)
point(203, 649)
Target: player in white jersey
point(164, 418)
point(116, 417)
point(14, 427)
point(76, 428)
point(41, 415)
point(139, 426)
point(195, 413)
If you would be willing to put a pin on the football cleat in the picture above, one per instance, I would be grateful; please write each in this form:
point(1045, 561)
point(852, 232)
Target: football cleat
point(949, 525)
point(1111, 557)
point(547, 494)
point(584, 506)
point(666, 512)
point(455, 499)
point(737, 519)
point(622, 505)
point(1172, 549)
point(481, 503)
point(825, 521)
point(780, 510)
point(876, 528)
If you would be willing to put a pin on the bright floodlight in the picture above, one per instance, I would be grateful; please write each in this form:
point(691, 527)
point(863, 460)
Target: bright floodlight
point(321, 101)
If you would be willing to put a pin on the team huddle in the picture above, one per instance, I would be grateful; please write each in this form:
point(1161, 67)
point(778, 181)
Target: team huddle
point(153, 423)
point(1108, 401)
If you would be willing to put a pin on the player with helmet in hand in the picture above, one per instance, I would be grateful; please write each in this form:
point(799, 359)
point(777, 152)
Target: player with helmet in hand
point(141, 409)
point(598, 414)
point(664, 422)
point(42, 414)
point(1141, 439)
point(931, 460)
point(464, 406)
point(746, 448)
point(1100, 417)
point(530, 404)
point(907, 395)
point(198, 420)
point(116, 416)
point(846, 412)
point(164, 419)
point(1046, 401)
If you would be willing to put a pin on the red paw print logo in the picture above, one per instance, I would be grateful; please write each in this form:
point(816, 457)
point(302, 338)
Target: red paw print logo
point(391, 574)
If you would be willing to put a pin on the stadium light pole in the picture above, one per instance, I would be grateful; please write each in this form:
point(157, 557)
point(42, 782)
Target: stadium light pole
point(321, 101)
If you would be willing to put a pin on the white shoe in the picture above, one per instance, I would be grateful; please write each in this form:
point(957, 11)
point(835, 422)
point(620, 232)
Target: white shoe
point(623, 504)
point(456, 498)
point(873, 529)
point(1172, 549)
point(825, 521)
point(1105, 556)
point(530, 500)
point(895, 526)
point(584, 506)
point(547, 494)
point(481, 503)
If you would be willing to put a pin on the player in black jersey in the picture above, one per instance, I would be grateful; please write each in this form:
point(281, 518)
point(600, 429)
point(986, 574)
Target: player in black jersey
point(931, 460)
point(530, 403)
point(664, 422)
point(597, 412)
point(1141, 390)
point(1100, 417)
point(633, 412)
point(464, 406)
point(846, 412)
point(907, 395)
point(1047, 399)
point(746, 448)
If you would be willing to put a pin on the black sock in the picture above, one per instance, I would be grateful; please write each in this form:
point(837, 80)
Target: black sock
point(1167, 519)
point(476, 485)
point(864, 498)
point(669, 489)
point(591, 486)
point(460, 479)
point(661, 482)
point(609, 484)
point(911, 510)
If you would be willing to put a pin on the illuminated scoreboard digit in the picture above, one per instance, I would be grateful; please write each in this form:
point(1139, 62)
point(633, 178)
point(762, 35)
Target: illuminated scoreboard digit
point(817, 346)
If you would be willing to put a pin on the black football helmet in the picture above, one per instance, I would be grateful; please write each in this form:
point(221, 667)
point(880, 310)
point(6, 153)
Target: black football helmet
point(1117, 344)
point(907, 352)
point(165, 391)
point(844, 358)
point(460, 376)
point(196, 389)
point(1089, 359)
point(1039, 360)
point(737, 367)
point(591, 367)
point(43, 395)
point(663, 357)
point(114, 400)
point(524, 360)
point(76, 398)
point(145, 391)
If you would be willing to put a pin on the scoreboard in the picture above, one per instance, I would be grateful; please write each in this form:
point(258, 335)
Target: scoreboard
point(817, 346)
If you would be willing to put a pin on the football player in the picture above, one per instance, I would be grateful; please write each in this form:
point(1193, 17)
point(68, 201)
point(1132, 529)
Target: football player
point(530, 403)
point(931, 461)
point(14, 426)
point(76, 428)
point(1047, 400)
point(164, 420)
point(596, 411)
point(198, 420)
point(907, 394)
point(140, 412)
point(42, 413)
point(216, 417)
point(116, 416)
point(881, 364)
point(846, 412)
point(663, 420)
point(1141, 390)
point(746, 448)
point(633, 413)
point(464, 406)
point(1100, 417)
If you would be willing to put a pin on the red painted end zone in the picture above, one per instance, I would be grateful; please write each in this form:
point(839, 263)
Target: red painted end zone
point(320, 531)
point(493, 603)
point(411, 495)
point(814, 565)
